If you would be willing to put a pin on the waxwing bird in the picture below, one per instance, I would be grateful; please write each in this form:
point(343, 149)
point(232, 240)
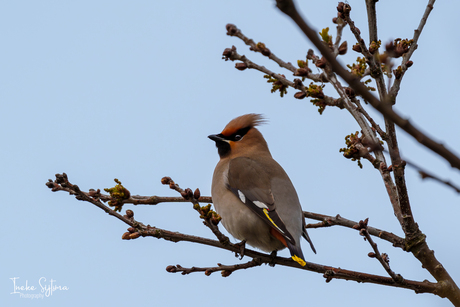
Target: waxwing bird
point(252, 192)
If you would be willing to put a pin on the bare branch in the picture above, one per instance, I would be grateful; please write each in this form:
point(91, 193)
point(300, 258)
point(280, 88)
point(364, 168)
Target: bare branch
point(62, 184)
point(340, 25)
point(382, 258)
point(391, 191)
point(327, 221)
point(377, 128)
point(232, 54)
point(232, 30)
point(425, 175)
point(328, 272)
point(374, 65)
point(134, 199)
point(225, 270)
point(406, 57)
point(210, 217)
point(408, 222)
point(372, 20)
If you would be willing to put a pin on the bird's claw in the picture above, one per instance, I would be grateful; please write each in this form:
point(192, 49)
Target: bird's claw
point(273, 255)
point(242, 247)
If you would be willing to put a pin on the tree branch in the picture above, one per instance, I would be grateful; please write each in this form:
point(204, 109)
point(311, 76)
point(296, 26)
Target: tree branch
point(406, 57)
point(225, 270)
point(372, 20)
point(329, 101)
point(138, 229)
point(233, 55)
point(394, 192)
point(416, 240)
point(232, 30)
point(327, 221)
point(382, 258)
point(427, 174)
point(133, 199)
point(287, 7)
point(374, 64)
point(374, 125)
point(210, 217)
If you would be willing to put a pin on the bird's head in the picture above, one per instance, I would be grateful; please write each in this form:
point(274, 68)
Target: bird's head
point(241, 138)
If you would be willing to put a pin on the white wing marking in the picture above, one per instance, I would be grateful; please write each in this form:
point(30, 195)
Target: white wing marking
point(260, 204)
point(242, 197)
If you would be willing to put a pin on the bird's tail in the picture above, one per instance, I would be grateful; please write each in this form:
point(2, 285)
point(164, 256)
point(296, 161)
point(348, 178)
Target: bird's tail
point(295, 250)
point(296, 253)
point(307, 237)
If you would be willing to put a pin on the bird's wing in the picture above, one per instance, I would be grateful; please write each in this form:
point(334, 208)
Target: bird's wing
point(250, 182)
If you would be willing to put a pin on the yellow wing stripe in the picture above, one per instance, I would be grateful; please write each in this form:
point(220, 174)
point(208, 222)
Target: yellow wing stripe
point(269, 218)
point(295, 257)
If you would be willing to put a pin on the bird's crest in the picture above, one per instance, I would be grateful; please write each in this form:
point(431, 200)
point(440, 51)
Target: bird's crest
point(246, 121)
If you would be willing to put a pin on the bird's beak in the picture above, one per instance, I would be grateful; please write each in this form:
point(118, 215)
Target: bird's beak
point(217, 138)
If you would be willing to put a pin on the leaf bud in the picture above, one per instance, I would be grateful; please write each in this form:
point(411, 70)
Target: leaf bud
point(129, 213)
point(241, 66)
point(343, 48)
point(231, 29)
point(300, 95)
point(321, 63)
point(197, 193)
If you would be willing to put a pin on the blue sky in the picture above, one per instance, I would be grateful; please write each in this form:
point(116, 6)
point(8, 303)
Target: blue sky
point(111, 89)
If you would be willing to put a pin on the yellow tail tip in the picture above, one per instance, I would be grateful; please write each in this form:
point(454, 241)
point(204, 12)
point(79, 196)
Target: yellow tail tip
point(299, 260)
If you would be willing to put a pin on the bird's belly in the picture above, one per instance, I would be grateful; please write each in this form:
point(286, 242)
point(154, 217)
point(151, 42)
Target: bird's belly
point(243, 224)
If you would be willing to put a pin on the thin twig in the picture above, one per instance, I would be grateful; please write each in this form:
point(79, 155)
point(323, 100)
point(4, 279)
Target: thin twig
point(340, 25)
point(210, 217)
point(372, 20)
point(225, 269)
point(391, 191)
point(382, 258)
point(138, 199)
point(406, 57)
point(424, 174)
point(327, 221)
point(233, 55)
point(233, 30)
point(377, 128)
point(155, 200)
point(374, 65)
point(253, 45)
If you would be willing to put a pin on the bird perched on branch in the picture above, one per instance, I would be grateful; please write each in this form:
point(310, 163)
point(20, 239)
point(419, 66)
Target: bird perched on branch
point(252, 192)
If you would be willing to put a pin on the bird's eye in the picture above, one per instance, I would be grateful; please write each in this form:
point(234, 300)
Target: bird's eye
point(237, 137)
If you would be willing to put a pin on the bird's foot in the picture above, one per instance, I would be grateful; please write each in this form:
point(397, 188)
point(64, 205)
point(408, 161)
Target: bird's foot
point(242, 247)
point(273, 255)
